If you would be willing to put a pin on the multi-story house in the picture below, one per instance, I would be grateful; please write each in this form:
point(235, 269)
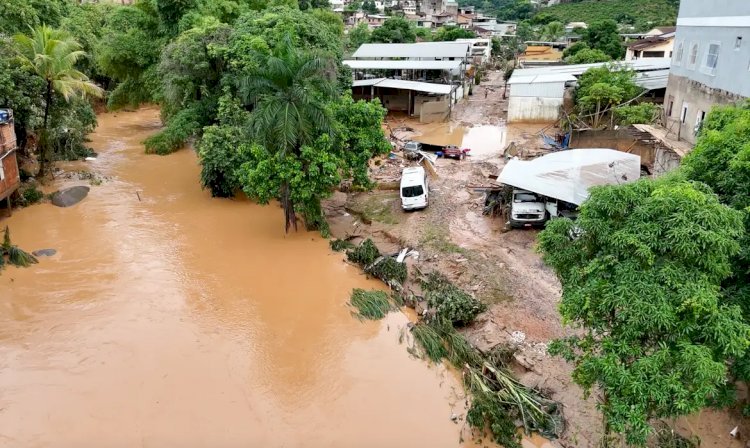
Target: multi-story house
point(710, 62)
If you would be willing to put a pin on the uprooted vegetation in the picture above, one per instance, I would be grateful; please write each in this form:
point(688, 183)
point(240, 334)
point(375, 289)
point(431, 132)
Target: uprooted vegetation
point(499, 403)
point(373, 305)
point(382, 267)
point(10, 254)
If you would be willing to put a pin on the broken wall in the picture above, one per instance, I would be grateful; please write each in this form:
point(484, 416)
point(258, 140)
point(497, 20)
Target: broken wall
point(434, 111)
point(620, 140)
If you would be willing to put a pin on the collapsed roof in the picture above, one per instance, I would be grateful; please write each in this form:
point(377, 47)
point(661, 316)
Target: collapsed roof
point(568, 175)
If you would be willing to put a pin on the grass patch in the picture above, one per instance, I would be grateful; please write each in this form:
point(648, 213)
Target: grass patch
point(377, 207)
point(372, 305)
point(438, 238)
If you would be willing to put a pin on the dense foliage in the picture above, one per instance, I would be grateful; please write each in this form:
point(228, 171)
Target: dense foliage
point(451, 33)
point(644, 113)
point(600, 89)
point(395, 30)
point(641, 270)
point(588, 56)
point(721, 159)
point(643, 14)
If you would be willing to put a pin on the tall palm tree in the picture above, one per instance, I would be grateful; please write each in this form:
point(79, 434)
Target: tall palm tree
point(52, 54)
point(553, 31)
point(288, 94)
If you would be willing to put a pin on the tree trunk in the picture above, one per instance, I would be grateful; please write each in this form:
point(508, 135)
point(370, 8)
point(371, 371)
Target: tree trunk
point(286, 202)
point(44, 141)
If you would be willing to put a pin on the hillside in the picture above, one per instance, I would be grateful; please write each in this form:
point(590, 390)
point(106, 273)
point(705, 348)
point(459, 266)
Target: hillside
point(641, 13)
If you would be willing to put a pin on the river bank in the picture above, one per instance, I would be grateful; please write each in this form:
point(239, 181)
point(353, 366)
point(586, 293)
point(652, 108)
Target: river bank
point(501, 268)
point(168, 317)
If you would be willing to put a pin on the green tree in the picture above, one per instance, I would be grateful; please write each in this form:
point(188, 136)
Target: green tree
point(451, 33)
point(588, 56)
point(424, 34)
point(575, 48)
point(644, 113)
point(369, 7)
point(603, 35)
point(52, 55)
point(395, 30)
point(601, 88)
point(357, 36)
point(290, 119)
point(640, 271)
point(129, 53)
point(721, 160)
point(525, 32)
point(553, 31)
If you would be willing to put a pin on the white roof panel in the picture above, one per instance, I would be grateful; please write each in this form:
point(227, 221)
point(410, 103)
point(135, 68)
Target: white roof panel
point(651, 70)
point(568, 175)
point(404, 65)
point(418, 50)
point(427, 87)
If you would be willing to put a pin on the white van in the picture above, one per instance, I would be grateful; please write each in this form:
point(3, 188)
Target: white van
point(414, 189)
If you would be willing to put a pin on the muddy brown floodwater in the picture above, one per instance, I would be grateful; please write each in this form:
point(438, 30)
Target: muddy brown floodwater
point(168, 318)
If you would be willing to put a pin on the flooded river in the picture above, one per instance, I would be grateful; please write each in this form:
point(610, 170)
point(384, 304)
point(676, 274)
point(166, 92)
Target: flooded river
point(168, 318)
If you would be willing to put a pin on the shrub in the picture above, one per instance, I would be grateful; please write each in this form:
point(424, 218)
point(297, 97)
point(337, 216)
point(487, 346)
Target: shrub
point(389, 271)
point(31, 195)
point(179, 129)
point(364, 254)
point(645, 113)
point(340, 245)
point(449, 301)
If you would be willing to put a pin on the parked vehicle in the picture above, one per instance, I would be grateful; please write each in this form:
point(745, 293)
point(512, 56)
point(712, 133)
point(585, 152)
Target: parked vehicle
point(527, 209)
point(411, 150)
point(455, 152)
point(414, 189)
point(556, 184)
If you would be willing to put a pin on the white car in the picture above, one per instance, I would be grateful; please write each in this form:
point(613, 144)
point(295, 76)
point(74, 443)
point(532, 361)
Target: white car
point(414, 189)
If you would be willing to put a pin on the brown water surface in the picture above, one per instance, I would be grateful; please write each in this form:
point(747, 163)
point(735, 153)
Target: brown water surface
point(168, 318)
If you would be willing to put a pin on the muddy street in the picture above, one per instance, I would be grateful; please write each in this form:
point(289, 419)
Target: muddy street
point(168, 318)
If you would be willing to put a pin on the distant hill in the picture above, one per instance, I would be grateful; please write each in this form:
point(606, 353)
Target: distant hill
point(644, 14)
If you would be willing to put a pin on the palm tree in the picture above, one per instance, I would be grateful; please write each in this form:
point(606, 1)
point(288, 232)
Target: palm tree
point(288, 94)
point(52, 54)
point(553, 31)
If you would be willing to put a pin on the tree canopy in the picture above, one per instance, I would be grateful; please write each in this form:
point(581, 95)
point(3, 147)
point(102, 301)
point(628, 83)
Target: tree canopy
point(604, 35)
point(641, 270)
point(395, 30)
point(451, 33)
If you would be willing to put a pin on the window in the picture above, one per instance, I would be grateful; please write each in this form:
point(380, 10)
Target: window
point(670, 105)
point(683, 115)
point(712, 59)
point(699, 121)
point(653, 54)
point(738, 43)
point(678, 54)
point(2, 172)
point(693, 56)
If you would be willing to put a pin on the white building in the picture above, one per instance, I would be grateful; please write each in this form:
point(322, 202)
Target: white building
point(537, 94)
point(481, 49)
point(711, 63)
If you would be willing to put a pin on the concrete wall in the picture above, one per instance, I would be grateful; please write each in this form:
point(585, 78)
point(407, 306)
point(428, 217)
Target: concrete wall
point(620, 140)
point(533, 109)
point(434, 111)
point(665, 161)
point(696, 99)
point(396, 102)
point(701, 23)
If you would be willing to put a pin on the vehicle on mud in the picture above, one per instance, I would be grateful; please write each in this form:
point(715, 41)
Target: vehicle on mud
point(556, 184)
point(414, 189)
point(454, 152)
point(411, 150)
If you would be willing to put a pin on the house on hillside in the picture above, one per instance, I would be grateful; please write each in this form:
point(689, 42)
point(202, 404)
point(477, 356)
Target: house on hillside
point(652, 46)
point(10, 178)
point(710, 65)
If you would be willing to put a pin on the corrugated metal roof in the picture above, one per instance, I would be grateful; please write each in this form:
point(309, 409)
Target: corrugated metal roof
point(653, 80)
point(417, 50)
point(654, 67)
point(440, 89)
point(404, 65)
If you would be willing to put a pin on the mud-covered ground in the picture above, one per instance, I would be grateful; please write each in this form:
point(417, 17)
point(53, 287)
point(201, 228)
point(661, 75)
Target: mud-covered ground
point(501, 267)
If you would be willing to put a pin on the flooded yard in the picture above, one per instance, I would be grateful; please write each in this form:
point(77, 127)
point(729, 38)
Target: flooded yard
point(168, 318)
